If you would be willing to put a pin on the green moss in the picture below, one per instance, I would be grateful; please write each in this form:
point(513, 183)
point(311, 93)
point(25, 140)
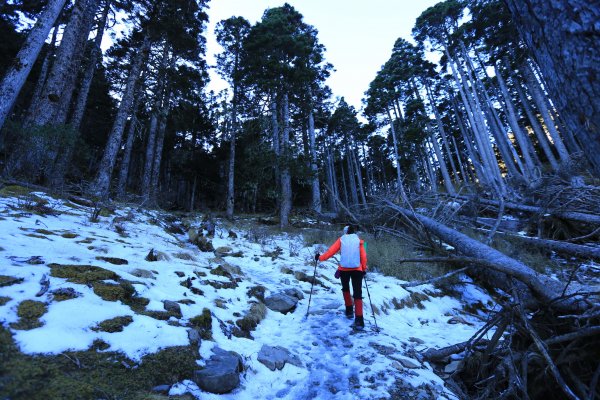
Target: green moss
point(203, 323)
point(83, 274)
point(33, 235)
point(44, 232)
point(89, 374)
point(123, 291)
point(159, 315)
point(69, 235)
point(4, 300)
point(113, 260)
point(86, 241)
point(6, 280)
point(14, 190)
point(63, 294)
point(29, 313)
point(220, 271)
point(114, 324)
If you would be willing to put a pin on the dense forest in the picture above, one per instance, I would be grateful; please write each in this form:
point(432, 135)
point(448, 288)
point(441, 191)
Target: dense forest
point(505, 126)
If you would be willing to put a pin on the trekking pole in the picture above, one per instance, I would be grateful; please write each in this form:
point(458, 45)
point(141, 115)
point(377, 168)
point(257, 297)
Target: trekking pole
point(311, 287)
point(372, 309)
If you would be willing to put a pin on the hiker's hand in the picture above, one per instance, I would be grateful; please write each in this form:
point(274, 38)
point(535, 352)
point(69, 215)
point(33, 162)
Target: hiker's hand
point(317, 255)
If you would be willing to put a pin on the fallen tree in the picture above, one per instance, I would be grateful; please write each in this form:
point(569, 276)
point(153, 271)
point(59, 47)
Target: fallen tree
point(561, 296)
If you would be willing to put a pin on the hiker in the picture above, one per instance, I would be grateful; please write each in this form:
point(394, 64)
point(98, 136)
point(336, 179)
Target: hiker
point(353, 266)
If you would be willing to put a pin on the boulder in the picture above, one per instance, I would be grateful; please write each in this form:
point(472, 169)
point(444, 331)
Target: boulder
point(222, 372)
point(223, 251)
point(143, 273)
point(275, 357)
point(294, 292)
point(281, 302)
point(172, 307)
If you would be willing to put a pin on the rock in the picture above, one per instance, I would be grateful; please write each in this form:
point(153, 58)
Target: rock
point(204, 244)
point(452, 367)
point(408, 363)
point(143, 273)
point(276, 357)
point(281, 302)
point(294, 292)
point(458, 320)
point(232, 235)
point(397, 365)
point(416, 340)
point(193, 235)
point(179, 274)
point(35, 260)
point(151, 256)
point(223, 251)
point(194, 336)
point(221, 374)
point(162, 389)
point(172, 307)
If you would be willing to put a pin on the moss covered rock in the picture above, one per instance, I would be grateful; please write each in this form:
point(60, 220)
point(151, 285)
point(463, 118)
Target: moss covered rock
point(83, 274)
point(4, 300)
point(203, 323)
point(29, 313)
point(6, 280)
point(114, 324)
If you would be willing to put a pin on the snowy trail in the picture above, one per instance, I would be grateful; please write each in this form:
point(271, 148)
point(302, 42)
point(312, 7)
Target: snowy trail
point(336, 363)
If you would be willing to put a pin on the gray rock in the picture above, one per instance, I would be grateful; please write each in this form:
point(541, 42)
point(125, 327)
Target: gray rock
point(275, 357)
point(408, 363)
point(194, 336)
point(281, 302)
point(162, 389)
point(416, 340)
point(294, 292)
point(143, 273)
point(222, 372)
point(172, 306)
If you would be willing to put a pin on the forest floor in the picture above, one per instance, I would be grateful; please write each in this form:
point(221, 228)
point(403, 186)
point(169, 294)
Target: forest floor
point(47, 246)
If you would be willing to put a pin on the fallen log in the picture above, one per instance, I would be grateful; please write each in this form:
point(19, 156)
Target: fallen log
point(577, 250)
point(547, 290)
point(570, 215)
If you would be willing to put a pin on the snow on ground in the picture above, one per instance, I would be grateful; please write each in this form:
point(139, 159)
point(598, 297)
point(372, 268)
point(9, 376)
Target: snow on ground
point(337, 363)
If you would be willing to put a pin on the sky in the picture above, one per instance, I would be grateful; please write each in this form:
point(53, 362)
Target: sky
point(358, 37)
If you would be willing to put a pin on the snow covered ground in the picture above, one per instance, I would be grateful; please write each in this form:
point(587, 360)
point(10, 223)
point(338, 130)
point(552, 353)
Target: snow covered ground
point(336, 362)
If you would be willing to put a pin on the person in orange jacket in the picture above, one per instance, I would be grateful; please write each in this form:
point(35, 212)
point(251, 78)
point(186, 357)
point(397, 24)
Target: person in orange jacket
point(352, 267)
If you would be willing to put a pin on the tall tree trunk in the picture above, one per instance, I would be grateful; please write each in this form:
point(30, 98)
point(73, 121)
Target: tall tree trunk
point(276, 146)
point(541, 103)
point(95, 55)
point(101, 184)
point(399, 178)
point(156, 162)
point(351, 175)
point(563, 36)
point(126, 160)
point(15, 77)
point(357, 169)
point(286, 177)
point(46, 66)
point(316, 191)
point(536, 127)
point(521, 137)
point(232, 137)
point(44, 109)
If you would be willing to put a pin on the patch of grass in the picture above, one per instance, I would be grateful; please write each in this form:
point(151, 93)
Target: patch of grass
point(4, 300)
point(123, 291)
point(86, 241)
point(534, 257)
point(203, 323)
point(44, 232)
point(90, 374)
point(33, 235)
point(257, 292)
point(415, 299)
point(6, 280)
point(63, 294)
point(29, 313)
point(113, 260)
point(156, 314)
point(82, 274)
point(69, 235)
point(14, 190)
point(320, 236)
point(114, 324)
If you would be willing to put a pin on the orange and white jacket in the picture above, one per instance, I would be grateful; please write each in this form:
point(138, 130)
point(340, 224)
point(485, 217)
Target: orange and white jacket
point(353, 253)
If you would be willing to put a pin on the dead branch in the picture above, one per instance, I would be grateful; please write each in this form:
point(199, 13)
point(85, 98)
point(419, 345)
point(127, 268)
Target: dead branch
point(578, 250)
point(433, 280)
point(45, 282)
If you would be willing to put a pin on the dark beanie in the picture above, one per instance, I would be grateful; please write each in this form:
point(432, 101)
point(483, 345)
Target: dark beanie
point(350, 230)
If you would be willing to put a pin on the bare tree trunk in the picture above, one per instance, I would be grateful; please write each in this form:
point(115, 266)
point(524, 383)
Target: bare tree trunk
point(95, 55)
point(351, 174)
point(48, 61)
point(537, 129)
point(156, 163)
point(126, 161)
point(316, 191)
point(101, 184)
point(15, 77)
point(399, 183)
point(286, 178)
point(44, 109)
point(540, 102)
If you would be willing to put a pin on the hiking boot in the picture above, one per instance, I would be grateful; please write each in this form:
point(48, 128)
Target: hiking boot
point(359, 323)
point(349, 312)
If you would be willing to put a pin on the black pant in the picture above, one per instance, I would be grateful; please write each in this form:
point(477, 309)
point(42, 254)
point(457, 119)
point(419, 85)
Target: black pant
point(356, 277)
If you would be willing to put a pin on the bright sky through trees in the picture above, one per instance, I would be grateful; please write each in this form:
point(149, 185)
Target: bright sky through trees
point(358, 35)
